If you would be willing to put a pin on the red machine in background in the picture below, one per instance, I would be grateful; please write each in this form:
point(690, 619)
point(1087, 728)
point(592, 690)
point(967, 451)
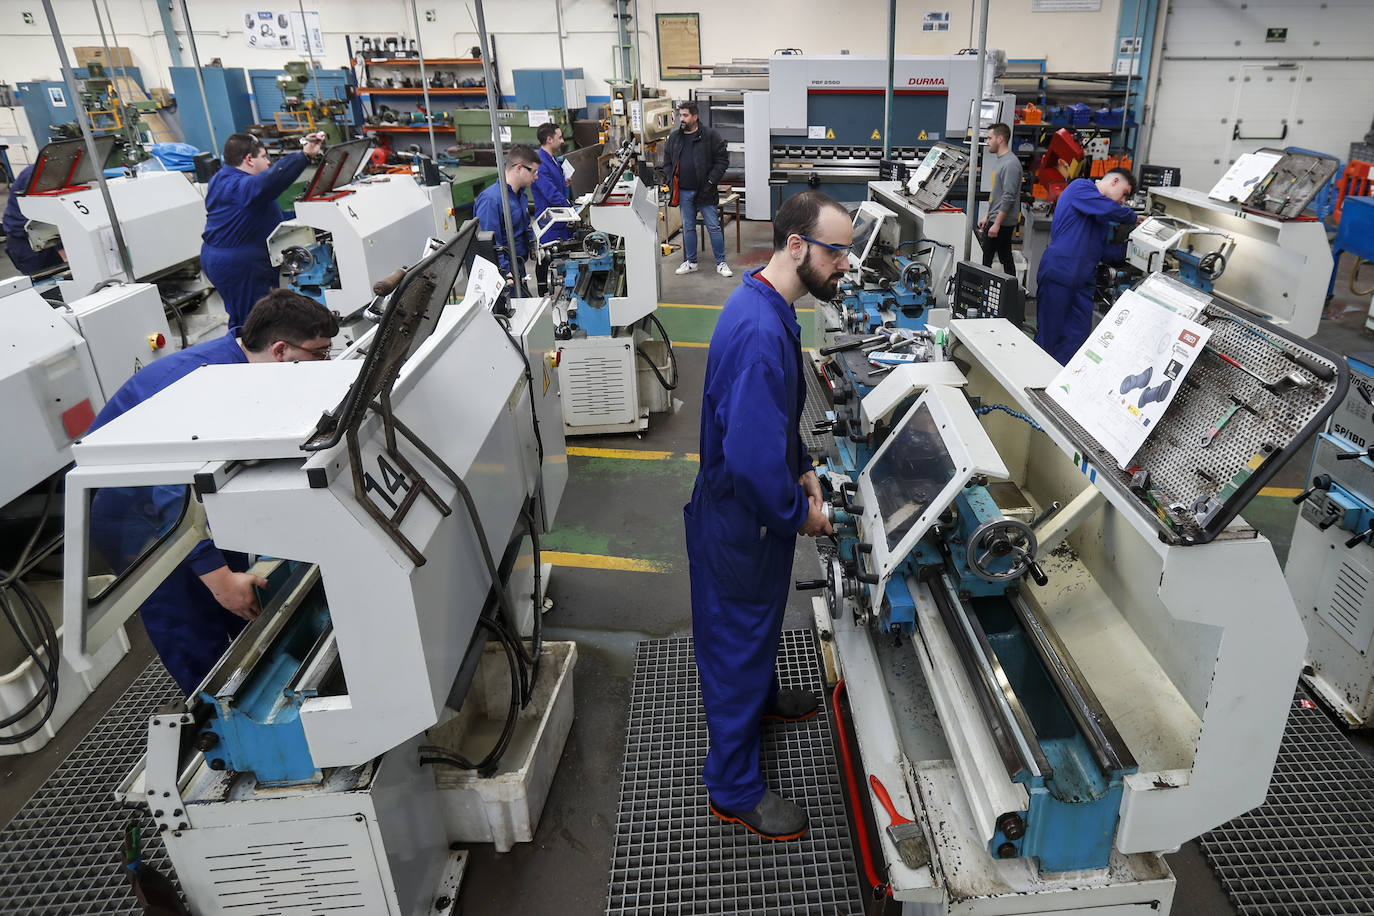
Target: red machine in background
point(1062, 162)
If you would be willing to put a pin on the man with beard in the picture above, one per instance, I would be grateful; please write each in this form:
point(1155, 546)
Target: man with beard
point(755, 492)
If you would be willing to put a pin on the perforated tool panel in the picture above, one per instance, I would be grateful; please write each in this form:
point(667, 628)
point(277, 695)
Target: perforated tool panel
point(817, 403)
point(61, 853)
point(672, 856)
point(1180, 467)
point(1309, 849)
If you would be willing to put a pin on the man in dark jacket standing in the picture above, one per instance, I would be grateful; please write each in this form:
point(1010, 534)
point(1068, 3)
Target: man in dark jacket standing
point(697, 158)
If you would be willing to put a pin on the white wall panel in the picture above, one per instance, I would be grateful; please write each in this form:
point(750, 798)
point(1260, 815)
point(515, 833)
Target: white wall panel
point(1320, 80)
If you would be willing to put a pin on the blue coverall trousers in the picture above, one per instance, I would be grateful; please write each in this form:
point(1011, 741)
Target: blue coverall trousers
point(739, 594)
point(241, 275)
point(1063, 311)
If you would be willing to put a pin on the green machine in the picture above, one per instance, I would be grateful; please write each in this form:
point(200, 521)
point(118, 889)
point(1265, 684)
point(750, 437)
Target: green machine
point(303, 114)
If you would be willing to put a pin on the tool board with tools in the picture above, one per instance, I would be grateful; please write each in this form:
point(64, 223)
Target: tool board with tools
point(1254, 395)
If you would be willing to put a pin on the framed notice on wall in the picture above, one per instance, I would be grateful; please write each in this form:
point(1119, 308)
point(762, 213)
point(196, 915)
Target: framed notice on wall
point(679, 46)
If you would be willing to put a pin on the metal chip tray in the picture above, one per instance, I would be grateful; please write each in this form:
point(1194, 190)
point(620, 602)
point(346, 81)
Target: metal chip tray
point(1200, 490)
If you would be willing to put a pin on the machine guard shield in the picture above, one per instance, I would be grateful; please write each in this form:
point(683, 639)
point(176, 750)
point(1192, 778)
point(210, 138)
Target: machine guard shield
point(944, 413)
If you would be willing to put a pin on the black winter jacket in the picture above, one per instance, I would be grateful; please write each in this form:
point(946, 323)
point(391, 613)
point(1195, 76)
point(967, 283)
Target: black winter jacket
point(712, 161)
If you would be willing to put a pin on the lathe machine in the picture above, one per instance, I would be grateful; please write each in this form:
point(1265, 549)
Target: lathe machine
point(390, 519)
point(1065, 664)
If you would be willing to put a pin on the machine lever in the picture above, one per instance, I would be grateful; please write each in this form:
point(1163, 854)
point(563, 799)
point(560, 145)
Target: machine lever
point(1362, 536)
point(1320, 482)
point(809, 585)
point(1331, 519)
point(1351, 456)
point(1037, 573)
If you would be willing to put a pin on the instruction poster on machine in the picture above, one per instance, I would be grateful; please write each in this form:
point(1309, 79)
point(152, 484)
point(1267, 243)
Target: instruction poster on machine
point(277, 30)
point(1126, 374)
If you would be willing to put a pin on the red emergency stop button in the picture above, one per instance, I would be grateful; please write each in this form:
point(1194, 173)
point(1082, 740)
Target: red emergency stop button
point(157, 341)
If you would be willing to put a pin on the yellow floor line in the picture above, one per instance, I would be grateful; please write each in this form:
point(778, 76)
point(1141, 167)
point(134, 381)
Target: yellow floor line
point(593, 561)
point(696, 305)
point(637, 454)
point(1288, 492)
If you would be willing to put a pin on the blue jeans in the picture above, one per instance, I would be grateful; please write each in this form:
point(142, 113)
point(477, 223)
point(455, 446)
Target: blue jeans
point(687, 201)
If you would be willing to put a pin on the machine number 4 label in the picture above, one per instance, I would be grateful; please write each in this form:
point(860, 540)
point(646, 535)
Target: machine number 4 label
point(393, 481)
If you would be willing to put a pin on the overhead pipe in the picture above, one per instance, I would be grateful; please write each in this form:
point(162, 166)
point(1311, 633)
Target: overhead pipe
point(891, 69)
point(424, 79)
point(975, 138)
point(517, 272)
point(200, 77)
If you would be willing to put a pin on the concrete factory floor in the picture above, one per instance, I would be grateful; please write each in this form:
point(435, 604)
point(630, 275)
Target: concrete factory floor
point(619, 506)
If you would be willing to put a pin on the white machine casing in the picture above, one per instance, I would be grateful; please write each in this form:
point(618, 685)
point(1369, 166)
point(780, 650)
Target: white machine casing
point(1278, 270)
point(401, 630)
point(1191, 651)
point(606, 387)
point(161, 215)
point(382, 225)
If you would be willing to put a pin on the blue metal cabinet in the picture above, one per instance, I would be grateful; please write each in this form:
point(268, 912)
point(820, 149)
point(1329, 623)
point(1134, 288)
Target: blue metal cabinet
point(37, 99)
point(542, 89)
point(226, 90)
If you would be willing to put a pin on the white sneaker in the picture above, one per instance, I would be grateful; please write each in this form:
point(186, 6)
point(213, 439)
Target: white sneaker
point(724, 270)
point(686, 267)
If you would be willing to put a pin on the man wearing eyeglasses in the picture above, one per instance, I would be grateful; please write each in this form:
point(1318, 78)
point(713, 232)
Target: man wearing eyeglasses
point(198, 610)
point(755, 492)
point(241, 211)
point(522, 168)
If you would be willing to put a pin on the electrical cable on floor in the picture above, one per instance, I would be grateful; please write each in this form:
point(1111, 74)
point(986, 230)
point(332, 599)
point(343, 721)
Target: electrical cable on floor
point(43, 646)
point(537, 601)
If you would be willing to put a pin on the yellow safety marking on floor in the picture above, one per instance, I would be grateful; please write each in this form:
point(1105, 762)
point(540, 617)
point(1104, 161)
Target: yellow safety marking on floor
point(693, 305)
point(691, 344)
point(692, 456)
point(594, 561)
point(634, 453)
point(1288, 492)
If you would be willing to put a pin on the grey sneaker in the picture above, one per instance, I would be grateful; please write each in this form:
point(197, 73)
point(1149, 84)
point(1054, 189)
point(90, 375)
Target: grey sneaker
point(686, 267)
point(773, 818)
point(724, 270)
point(793, 705)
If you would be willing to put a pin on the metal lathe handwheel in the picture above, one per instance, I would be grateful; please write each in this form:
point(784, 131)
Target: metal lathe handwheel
point(996, 540)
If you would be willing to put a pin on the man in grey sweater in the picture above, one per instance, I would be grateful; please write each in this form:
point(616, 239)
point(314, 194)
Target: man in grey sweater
point(1004, 203)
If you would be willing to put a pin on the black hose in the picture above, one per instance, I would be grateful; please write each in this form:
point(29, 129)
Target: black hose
point(537, 627)
point(502, 598)
point(529, 377)
point(42, 647)
point(672, 356)
point(433, 754)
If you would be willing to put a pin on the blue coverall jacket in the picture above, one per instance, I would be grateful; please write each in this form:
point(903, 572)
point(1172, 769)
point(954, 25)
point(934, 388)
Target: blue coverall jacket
point(1083, 217)
point(240, 213)
point(742, 524)
point(487, 209)
point(26, 260)
point(187, 626)
point(550, 189)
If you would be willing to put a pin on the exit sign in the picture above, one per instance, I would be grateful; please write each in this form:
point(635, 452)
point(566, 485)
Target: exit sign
point(1272, 34)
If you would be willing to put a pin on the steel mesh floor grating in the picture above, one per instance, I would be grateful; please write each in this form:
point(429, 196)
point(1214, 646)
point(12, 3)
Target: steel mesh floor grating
point(61, 853)
point(672, 856)
point(1309, 849)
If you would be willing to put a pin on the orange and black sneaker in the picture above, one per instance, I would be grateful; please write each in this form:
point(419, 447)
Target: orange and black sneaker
point(793, 705)
point(773, 818)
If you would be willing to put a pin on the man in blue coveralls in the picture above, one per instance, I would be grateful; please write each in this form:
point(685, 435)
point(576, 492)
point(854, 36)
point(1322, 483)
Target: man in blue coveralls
point(755, 492)
point(196, 612)
point(25, 259)
point(241, 211)
point(1083, 217)
point(522, 167)
point(550, 186)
